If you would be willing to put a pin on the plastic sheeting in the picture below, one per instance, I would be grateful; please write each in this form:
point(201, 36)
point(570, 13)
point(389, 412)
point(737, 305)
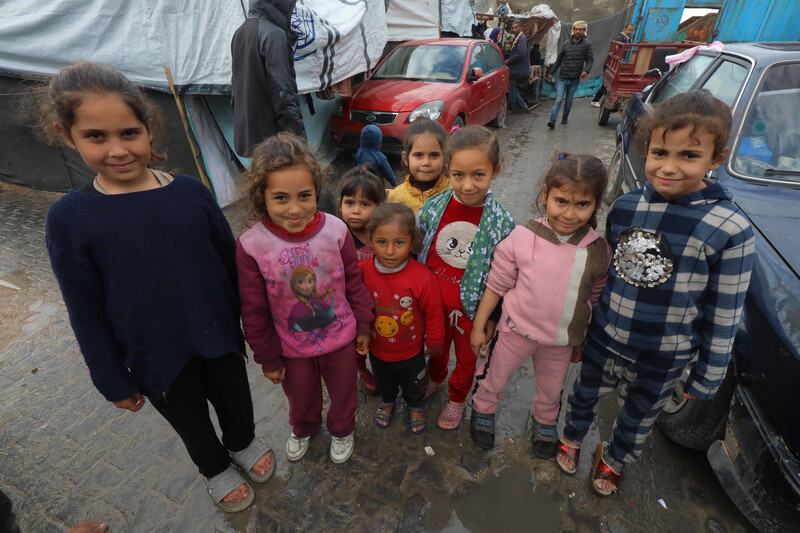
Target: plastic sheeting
point(338, 39)
point(458, 17)
point(411, 20)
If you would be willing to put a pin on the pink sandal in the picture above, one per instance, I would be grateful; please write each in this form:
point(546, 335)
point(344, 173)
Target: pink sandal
point(451, 415)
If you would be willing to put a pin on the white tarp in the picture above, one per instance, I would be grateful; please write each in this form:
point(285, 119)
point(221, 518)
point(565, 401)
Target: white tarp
point(411, 20)
point(458, 16)
point(339, 38)
point(553, 34)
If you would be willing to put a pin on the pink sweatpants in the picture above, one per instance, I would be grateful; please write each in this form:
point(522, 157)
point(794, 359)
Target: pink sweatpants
point(550, 365)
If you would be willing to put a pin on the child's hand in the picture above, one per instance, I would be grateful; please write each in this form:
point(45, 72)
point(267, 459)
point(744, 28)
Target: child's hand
point(432, 353)
point(276, 376)
point(478, 342)
point(362, 344)
point(132, 404)
point(577, 354)
point(490, 328)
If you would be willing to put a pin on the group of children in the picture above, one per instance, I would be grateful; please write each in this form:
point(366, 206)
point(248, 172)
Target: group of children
point(155, 283)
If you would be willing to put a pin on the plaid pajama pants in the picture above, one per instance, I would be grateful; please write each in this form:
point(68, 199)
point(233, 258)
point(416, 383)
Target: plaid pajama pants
point(642, 395)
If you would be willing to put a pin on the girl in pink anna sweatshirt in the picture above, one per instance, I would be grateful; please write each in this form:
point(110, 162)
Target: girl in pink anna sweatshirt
point(550, 273)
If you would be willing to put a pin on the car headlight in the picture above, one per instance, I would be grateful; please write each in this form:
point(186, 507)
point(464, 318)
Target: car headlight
point(431, 110)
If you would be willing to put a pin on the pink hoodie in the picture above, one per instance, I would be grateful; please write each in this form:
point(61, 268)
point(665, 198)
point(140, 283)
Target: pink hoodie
point(549, 287)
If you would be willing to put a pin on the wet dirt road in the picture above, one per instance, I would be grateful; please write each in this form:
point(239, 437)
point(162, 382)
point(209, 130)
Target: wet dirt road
point(67, 455)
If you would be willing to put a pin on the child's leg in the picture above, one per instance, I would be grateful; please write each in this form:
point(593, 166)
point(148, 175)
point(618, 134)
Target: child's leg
point(600, 374)
point(413, 377)
point(642, 396)
point(303, 388)
point(361, 362)
point(550, 365)
point(229, 393)
point(504, 358)
point(339, 372)
point(384, 379)
point(464, 373)
point(437, 364)
point(185, 407)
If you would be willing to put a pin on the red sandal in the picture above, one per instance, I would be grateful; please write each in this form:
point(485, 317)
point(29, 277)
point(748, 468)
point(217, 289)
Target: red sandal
point(572, 452)
point(601, 471)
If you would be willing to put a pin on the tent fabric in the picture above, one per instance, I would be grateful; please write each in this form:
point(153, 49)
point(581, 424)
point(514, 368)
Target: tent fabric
point(411, 20)
point(457, 17)
point(338, 39)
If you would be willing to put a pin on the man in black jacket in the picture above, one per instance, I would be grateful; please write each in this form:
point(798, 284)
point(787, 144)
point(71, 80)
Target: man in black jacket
point(624, 37)
point(263, 81)
point(575, 59)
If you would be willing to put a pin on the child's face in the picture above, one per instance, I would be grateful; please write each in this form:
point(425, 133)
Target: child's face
point(306, 285)
point(356, 211)
point(424, 161)
point(392, 244)
point(677, 163)
point(568, 208)
point(471, 174)
point(111, 140)
point(291, 198)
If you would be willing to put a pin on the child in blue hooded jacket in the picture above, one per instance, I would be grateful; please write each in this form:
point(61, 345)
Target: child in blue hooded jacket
point(369, 155)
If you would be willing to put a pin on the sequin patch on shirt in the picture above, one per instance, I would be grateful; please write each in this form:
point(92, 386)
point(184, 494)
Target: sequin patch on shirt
point(643, 258)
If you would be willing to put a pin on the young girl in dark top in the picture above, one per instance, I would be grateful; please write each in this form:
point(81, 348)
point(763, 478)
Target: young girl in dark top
point(360, 192)
point(146, 265)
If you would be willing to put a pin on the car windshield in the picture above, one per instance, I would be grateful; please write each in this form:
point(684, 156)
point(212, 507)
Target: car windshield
point(425, 62)
point(681, 79)
point(770, 140)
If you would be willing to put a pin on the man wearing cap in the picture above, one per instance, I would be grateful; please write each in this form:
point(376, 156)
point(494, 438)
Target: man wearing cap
point(575, 60)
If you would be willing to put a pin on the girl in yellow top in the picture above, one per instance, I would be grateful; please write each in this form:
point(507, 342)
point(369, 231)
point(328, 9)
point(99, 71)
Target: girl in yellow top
point(422, 157)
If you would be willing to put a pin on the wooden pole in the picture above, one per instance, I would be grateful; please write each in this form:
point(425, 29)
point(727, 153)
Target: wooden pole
point(195, 151)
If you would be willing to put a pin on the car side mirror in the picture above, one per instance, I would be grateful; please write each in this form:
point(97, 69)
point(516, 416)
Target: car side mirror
point(474, 74)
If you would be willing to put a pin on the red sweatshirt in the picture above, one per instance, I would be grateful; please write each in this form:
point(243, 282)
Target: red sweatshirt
point(408, 311)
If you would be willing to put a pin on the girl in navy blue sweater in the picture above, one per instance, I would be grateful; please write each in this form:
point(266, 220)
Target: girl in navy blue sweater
point(146, 264)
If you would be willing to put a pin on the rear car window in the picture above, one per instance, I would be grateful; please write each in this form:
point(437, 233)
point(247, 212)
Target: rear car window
point(726, 81)
point(492, 56)
point(770, 142)
point(681, 79)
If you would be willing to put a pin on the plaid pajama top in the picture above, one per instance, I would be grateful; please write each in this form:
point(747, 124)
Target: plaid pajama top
point(685, 292)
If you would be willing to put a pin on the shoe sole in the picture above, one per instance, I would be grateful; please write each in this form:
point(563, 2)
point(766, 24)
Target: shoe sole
point(295, 458)
point(340, 461)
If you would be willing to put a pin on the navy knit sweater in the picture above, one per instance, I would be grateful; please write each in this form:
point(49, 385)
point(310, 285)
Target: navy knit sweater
point(149, 279)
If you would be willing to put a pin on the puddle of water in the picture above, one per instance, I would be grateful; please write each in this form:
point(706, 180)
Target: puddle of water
point(508, 501)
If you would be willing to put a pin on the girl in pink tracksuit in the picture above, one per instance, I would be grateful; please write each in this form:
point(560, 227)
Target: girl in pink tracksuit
point(549, 273)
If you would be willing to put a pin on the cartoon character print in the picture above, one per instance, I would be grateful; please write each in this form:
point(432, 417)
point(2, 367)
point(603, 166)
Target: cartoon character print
point(313, 310)
point(454, 243)
point(386, 322)
point(407, 317)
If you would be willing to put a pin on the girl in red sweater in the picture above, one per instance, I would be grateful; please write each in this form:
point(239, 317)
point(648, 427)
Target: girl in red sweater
point(408, 314)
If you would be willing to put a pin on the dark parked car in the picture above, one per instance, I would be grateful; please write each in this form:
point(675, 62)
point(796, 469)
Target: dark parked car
point(751, 430)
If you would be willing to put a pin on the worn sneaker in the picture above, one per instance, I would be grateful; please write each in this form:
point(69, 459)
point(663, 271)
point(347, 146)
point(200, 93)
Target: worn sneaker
point(341, 448)
point(296, 447)
point(551, 124)
point(594, 104)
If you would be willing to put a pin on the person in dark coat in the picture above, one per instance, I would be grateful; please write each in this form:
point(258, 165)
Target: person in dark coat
point(370, 157)
point(624, 37)
point(575, 60)
point(264, 86)
point(519, 68)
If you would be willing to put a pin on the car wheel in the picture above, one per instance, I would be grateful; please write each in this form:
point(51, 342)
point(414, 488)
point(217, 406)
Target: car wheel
point(500, 120)
point(697, 423)
point(457, 122)
point(616, 178)
point(602, 118)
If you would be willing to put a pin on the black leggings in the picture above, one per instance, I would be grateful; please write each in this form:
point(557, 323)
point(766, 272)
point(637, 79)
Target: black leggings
point(411, 375)
point(223, 382)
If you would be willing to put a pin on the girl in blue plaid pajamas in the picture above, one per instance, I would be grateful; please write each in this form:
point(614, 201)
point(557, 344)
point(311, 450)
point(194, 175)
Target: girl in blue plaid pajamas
point(683, 253)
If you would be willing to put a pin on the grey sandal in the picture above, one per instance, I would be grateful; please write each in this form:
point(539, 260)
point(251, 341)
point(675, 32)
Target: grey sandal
point(223, 484)
point(245, 459)
point(544, 439)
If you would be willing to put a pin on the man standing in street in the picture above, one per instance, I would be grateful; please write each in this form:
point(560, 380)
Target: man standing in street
point(575, 59)
point(519, 68)
point(623, 37)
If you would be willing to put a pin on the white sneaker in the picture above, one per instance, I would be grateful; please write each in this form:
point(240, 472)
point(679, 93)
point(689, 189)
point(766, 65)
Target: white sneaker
point(296, 447)
point(341, 448)
point(594, 104)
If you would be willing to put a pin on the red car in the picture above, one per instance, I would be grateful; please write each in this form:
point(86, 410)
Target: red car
point(453, 81)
